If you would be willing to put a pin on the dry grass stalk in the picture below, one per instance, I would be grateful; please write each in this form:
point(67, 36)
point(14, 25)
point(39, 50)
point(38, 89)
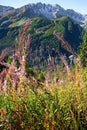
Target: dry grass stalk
point(65, 44)
point(13, 74)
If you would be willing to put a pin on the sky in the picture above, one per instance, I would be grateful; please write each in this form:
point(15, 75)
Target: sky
point(77, 5)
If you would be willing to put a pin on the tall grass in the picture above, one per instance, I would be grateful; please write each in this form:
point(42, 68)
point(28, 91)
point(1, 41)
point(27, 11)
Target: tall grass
point(56, 107)
point(59, 102)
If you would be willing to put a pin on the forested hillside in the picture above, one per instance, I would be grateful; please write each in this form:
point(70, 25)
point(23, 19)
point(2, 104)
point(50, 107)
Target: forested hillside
point(43, 40)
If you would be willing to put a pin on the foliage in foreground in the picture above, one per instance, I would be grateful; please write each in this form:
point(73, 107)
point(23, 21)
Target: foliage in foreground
point(53, 100)
point(83, 50)
point(58, 105)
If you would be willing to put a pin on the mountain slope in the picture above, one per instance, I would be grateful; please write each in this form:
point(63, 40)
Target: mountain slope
point(43, 39)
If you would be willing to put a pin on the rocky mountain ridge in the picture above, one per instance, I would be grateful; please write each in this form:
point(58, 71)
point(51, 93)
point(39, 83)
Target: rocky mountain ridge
point(5, 9)
point(45, 10)
point(52, 11)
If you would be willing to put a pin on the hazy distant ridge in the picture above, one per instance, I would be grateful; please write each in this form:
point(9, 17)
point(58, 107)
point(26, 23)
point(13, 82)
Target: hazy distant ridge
point(5, 9)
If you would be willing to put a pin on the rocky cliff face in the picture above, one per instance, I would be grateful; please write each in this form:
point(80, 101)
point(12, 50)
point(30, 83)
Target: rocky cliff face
point(45, 10)
point(53, 11)
point(75, 16)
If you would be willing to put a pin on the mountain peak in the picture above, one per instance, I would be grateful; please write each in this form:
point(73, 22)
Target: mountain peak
point(47, 10)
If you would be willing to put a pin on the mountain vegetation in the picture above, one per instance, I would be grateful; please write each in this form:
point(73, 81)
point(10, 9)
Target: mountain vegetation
point(43, 39)
point(51, 99)
point(83, 50)
point(43, 72)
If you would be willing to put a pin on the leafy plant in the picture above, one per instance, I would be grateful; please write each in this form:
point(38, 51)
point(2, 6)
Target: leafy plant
point(83, 50)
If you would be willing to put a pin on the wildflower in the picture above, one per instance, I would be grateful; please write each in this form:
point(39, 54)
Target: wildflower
point(4, 53)
point(28, 41)
point(60, 81)
point(26, 26)
point(65, 44)
point(13, 75)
